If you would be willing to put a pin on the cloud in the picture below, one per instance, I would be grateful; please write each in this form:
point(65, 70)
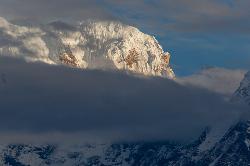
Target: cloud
point(186, 16)
point(38, 100)
point(49, 10)
point(219, 80)
point(179, 15)
point(26, 42)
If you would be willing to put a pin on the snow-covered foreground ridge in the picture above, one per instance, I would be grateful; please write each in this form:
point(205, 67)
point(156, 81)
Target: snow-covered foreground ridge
point(89, 44)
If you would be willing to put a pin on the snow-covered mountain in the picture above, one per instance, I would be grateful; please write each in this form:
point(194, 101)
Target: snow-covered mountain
point(231, 150)
point(89, 44)
point(243, 92)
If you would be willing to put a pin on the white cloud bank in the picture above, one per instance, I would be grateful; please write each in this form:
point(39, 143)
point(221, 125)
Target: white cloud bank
point(219, 80)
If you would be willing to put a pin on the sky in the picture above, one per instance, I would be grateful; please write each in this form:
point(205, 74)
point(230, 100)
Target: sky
point(198, 34)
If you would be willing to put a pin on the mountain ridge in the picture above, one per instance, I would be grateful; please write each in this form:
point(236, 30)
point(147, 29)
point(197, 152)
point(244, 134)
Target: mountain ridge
point(242, 94)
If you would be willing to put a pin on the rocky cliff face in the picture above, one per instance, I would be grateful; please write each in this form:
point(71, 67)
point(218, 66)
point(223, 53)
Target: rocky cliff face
point(87, 45)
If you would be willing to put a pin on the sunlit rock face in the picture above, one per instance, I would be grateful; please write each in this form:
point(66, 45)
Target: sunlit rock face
point(89, 44)
point(243, 92)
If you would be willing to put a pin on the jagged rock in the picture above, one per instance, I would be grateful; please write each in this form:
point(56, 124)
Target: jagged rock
point(68, 58)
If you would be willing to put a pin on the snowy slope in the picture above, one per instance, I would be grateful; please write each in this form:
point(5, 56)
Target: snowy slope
point(230, 150)
point(243, 92)
point(89, 44)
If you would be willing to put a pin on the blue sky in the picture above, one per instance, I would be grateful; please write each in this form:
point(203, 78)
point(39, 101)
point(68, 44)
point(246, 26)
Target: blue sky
point(196, 52)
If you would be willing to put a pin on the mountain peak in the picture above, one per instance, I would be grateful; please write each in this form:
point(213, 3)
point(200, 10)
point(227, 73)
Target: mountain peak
point(242, 94)
point(90, 44)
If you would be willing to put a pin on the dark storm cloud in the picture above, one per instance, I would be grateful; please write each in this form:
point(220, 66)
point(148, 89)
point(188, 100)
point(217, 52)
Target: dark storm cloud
point(41, 99)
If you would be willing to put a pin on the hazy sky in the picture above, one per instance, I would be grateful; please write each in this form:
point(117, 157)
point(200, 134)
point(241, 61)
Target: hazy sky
point(197, 33)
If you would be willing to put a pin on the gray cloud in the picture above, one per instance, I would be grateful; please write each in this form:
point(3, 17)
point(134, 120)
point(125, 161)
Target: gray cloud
point(179, 15)
point(39, 100)
point(187, 16)
point(50, 10)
